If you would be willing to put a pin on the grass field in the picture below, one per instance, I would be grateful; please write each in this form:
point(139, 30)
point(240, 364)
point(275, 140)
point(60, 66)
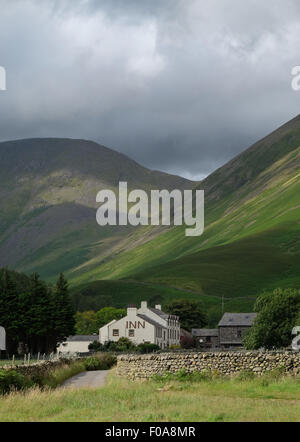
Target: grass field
point(157, 401)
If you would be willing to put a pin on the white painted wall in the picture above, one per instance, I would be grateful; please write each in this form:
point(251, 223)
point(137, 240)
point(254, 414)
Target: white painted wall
point(2, 339)
point(75, 346)
point(143, 331)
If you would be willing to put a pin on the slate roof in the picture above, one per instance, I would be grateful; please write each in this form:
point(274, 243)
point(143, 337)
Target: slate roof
point(83, 338)
point(151, 321)
point(159, 312)
point(237, 319)
point(204, 332)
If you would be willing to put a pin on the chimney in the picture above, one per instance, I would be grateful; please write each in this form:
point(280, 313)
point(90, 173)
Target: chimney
point(158, 307)
point(131, 309)
point(144, 305)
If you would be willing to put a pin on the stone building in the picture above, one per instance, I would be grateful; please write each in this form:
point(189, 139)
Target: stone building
point(206, 338)
point(229, 334)
point(144, 325)
point(233, 327)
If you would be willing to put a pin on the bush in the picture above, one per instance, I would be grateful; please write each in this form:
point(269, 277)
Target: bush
point(147, 348)
point(100, 362)
point(96, 346)
point(92, 364)
point(107, 361)
point(13, 381)
point(123, 345)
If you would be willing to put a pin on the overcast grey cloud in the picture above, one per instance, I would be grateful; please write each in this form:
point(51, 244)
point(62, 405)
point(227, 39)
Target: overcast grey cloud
point(178, 85)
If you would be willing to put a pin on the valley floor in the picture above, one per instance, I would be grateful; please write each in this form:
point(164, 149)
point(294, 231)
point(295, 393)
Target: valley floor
point(122, 401)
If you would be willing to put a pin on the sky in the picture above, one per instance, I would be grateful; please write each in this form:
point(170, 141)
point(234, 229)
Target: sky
point(178, 85)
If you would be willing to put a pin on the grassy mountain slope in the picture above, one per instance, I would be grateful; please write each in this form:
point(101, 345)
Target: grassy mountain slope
point(251, 240)
point(48, 191)
point(252, 235)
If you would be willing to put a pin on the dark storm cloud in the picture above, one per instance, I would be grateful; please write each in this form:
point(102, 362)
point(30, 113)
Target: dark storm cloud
point(178, 85)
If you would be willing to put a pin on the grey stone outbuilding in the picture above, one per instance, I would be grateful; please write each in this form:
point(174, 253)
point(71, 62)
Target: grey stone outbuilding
point(233, 327)
point(207, 338)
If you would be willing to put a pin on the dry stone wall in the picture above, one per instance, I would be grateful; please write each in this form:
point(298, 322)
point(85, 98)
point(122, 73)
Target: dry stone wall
point(38, 369)
point(145, 366)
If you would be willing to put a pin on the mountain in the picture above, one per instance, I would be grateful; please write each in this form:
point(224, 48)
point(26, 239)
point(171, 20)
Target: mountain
point(48, 191)
point(251, 240)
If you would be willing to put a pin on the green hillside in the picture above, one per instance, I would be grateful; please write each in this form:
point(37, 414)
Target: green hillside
point(48, 191)
point(98, 294)
point(252, 234)
point(251, 240)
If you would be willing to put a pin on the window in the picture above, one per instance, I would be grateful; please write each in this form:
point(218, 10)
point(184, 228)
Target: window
point(131, 333)
point(208, 339)
point(239, 334)
point(115, 332)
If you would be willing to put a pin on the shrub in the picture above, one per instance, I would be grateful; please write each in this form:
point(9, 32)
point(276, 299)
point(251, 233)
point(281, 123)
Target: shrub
point(96, 346)
point(92, 364)
point(123, 345)
point(107, 361)
point(100, 362)
point(12, 380)
point(147, 348)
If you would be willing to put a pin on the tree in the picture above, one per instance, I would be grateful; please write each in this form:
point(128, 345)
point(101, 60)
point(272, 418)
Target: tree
point(89, 322)
point(63, 321)
point(34, 314)
point(277, 315)
point(86, 323)
point(191, 314)
point(39, 314)
point(108, 314)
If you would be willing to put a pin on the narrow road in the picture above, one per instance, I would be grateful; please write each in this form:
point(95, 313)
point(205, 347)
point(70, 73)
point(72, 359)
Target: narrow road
point(89, 379)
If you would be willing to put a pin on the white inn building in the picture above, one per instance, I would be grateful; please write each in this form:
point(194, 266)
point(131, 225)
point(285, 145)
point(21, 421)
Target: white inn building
point(144, 325)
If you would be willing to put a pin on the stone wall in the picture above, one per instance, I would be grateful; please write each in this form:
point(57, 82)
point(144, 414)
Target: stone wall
point(226, 363)
point(40, 368)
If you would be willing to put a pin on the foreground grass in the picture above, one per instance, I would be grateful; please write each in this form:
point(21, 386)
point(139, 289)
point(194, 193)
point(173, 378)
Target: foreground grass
point(120, 400)
point(59, 375)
